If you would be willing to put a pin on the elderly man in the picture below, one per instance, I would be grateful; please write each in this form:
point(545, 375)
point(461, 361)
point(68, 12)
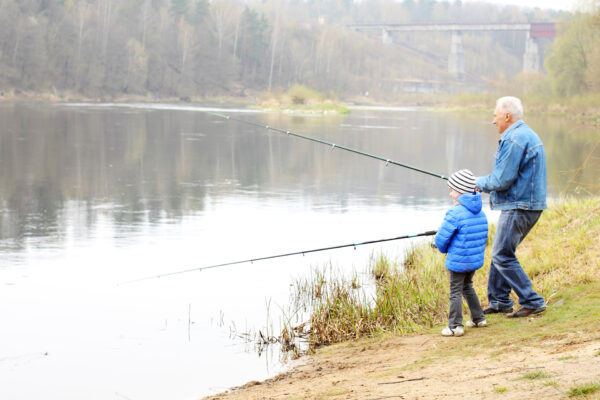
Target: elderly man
point(518, 188)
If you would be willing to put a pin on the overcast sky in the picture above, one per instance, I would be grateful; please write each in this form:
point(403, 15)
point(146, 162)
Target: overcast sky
point(567, 5)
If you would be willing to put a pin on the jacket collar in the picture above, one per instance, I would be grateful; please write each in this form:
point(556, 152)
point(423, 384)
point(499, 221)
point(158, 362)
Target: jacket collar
point(511, 128)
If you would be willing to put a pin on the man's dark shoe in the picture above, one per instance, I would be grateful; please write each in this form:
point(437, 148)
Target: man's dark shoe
point(525, 312)
point(491, 310)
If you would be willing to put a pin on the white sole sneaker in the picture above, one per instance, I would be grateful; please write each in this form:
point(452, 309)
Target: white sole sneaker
point(458, 331)
point(480, 324)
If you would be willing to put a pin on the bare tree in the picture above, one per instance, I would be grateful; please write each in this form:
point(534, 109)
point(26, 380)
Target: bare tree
point(274, 37)
point(222, 24)
point(82, 14)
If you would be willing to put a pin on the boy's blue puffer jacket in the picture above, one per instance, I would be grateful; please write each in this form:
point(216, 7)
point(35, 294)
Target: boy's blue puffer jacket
point(463, 234)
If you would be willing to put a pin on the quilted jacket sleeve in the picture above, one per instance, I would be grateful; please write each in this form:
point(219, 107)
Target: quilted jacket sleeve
point(443, 238)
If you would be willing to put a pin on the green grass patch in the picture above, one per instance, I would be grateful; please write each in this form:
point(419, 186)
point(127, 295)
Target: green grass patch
point(302, 99)
point(536, 375)
point(512, 335)
point(500, 389)
point(584, 389)
point(566, 358)
point(301, 95)
point(427, 360)
point(385, 374)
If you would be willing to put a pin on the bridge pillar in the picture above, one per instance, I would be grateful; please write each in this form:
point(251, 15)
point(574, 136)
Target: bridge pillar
point(386, 38)
point(531, 57)
point(456, 59)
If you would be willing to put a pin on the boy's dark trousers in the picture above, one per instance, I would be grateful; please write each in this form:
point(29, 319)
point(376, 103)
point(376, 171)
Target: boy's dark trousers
point(461, 284)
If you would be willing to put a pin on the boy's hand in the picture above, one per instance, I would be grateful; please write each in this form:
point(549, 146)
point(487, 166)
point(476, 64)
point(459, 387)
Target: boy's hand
point(433, 245)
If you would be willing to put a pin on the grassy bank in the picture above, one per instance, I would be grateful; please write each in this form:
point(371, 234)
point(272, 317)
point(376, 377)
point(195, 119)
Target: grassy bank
point(301, 99)
point(561, 252)
point(73, 97)
point(581, 107)
point(553, 344)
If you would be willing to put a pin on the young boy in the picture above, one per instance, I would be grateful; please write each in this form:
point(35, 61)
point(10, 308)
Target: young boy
point(463, 235)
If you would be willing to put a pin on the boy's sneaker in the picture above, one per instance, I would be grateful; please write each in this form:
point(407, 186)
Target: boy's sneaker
point(480, 324)
point(458, 331)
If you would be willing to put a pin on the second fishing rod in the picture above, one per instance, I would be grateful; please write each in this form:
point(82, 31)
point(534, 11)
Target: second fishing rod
point(294, 253)
point(330, 144)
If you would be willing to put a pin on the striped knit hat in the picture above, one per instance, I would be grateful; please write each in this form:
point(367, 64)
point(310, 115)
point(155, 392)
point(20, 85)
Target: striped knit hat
point(462, 181)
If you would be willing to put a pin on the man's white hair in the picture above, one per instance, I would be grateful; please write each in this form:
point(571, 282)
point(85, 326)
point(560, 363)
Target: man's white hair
point(510, 104)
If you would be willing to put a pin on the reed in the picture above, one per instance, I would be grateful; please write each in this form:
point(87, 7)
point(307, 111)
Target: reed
point(381, 267)
point(562, 251)
point(397, 299)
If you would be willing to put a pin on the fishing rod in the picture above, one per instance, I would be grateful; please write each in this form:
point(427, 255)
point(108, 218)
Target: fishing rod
point(303, 252)
point(333, 145)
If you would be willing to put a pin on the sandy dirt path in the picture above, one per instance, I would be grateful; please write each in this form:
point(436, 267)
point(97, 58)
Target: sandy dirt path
point(428, 366)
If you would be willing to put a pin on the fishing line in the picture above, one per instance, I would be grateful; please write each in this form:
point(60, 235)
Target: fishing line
point(303, 252)
point(332, 145)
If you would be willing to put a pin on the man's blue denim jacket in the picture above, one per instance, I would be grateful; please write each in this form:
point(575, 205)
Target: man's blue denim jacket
point(519, 177)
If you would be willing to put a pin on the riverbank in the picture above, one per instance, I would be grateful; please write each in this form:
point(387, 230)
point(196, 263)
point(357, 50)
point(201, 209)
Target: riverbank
point(581, 107)
point(66, 97)
point(552, 355)
point(584, 108)
point(548, 356)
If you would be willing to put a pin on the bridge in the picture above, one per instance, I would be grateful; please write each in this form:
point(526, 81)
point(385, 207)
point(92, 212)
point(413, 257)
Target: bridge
point(532, 61)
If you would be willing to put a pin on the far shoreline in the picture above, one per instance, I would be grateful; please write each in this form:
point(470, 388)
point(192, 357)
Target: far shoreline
point(579, 108)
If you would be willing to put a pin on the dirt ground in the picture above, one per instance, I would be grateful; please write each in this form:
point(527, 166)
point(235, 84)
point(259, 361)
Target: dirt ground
point(479, 365)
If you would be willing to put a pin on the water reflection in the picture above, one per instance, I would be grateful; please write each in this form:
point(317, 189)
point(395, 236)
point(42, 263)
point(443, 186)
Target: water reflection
point(159, 164)
point(573, 155)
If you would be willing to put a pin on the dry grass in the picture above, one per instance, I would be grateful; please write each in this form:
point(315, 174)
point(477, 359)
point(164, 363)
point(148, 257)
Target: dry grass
point(562, 251)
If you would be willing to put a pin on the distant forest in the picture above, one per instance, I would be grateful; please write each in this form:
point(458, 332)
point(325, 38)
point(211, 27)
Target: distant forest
point(202, 48)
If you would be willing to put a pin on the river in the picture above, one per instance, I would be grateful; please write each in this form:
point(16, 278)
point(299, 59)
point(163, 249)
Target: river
point(95, 195)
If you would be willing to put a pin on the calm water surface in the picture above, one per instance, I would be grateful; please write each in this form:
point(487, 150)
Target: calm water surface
point(95, 195)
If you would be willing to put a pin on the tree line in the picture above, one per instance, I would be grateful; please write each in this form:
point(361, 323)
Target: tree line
point(206, 48)
point(574, 65)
